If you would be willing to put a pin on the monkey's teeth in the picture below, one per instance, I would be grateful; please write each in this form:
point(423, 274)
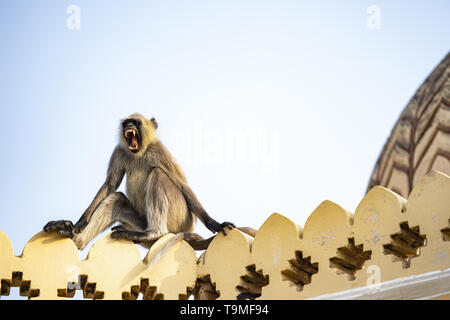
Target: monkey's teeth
point(127, 133)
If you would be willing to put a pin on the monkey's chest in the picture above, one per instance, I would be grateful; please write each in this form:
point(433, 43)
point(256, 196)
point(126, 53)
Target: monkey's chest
point(136, 188)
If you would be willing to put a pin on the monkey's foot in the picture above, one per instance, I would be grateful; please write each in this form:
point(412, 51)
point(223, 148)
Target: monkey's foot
point(118, 235)
point(64, 227)
point(122, 233)
point(135, 236)
point(119, 227)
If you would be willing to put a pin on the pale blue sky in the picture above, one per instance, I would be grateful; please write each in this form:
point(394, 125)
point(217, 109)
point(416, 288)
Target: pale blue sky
point(320, 90)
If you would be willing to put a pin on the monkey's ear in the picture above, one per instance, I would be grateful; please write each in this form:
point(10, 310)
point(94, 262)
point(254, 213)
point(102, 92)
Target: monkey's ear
point(155, 124)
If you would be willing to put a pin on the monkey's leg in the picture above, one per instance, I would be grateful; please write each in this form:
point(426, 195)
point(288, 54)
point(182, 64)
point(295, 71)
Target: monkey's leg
point(165, 205)
point(115, 207)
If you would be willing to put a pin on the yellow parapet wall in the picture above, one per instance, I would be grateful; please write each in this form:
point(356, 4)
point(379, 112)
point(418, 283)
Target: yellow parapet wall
point(49, 268)
point(389, 249)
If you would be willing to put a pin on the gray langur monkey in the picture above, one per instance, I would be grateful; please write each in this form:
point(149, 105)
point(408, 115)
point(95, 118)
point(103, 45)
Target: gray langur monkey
point(158, 201)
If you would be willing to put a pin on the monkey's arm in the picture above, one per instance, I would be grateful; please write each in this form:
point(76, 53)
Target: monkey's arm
point(196, 208)
point(114, 178)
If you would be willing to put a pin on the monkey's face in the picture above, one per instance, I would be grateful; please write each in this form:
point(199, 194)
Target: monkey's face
point(131, 130)
point(137, 133)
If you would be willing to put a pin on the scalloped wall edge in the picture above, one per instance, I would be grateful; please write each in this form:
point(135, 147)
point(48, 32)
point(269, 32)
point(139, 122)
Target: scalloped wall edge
point(402, 247)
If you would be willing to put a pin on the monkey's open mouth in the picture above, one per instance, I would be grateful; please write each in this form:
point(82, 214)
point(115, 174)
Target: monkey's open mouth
point(132, 138)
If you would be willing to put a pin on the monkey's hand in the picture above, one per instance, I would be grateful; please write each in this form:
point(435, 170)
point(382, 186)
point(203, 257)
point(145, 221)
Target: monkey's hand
point(214, 226)
point(64, 227)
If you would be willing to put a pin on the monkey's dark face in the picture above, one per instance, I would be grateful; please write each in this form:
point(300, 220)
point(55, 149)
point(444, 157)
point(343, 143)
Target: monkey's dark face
point(132, 134)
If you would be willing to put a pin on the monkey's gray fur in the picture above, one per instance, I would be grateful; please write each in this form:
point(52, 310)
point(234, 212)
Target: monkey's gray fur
point(158, 199)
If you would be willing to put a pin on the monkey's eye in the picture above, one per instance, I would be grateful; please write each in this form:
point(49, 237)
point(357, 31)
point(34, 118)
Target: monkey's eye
point(127, 122)
point(136, 123)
